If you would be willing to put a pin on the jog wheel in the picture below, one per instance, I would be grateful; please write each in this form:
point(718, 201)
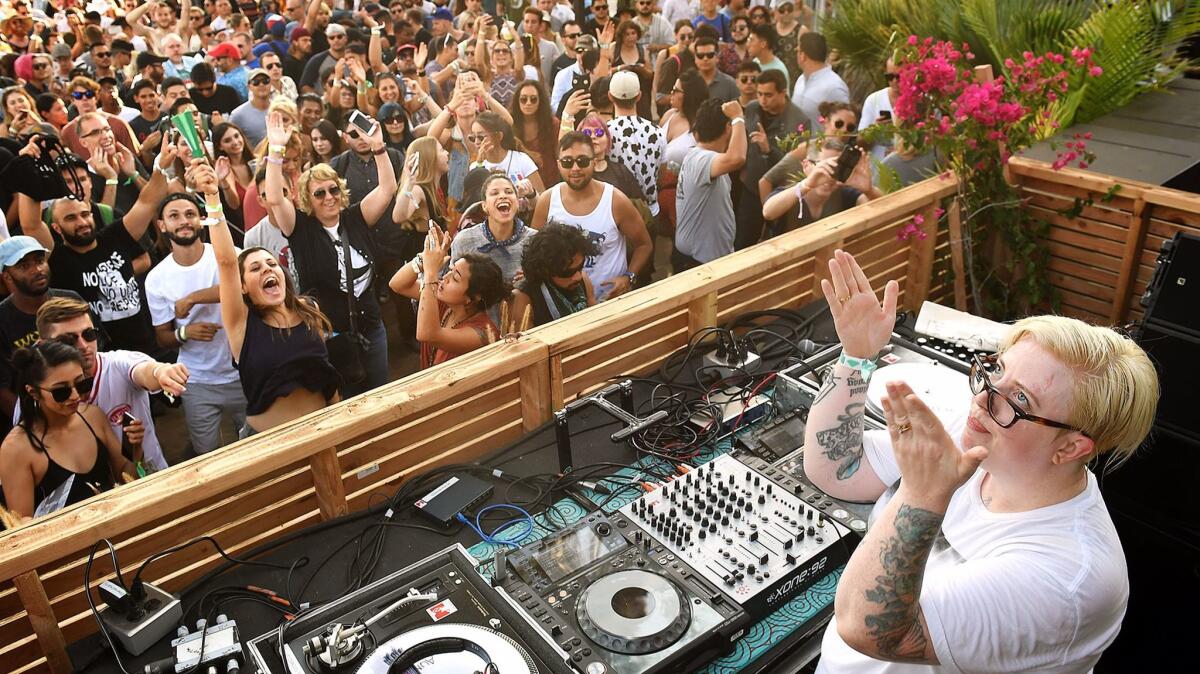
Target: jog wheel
point(633, 612)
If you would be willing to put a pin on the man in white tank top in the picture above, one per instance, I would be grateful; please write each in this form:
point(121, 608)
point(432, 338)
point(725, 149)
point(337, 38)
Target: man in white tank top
point(607, 216)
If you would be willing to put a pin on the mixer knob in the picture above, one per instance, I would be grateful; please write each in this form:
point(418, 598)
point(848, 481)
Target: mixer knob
point(702, 534)
point(712, 527)
point(725, 521)
point(731, 479)
point(747, 476)
point(756, 480)
point(811, 530)
point(729, 507)
point(768, 487)
point(748, 506)
point(741, 501)
point(737, 514)
point(762, 499)
point(672, 513)
point(729, 580)
point(809, 515)
point(750, 568)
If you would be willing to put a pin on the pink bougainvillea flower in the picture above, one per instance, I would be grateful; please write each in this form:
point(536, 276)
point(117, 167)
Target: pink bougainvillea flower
point(918, 219)
point(1096, 71)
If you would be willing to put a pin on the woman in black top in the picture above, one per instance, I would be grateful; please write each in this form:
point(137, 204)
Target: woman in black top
point(277, 338)
point(63, 450)
point(554, 284)
point(319, 226)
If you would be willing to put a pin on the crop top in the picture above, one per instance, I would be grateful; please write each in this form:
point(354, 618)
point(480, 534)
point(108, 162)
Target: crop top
point(276, 361)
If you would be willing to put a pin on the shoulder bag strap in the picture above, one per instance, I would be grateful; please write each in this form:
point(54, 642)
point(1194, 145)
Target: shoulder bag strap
point(344, 237)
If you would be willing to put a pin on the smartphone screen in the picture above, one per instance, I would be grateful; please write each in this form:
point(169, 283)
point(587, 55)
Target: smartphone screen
point(361, 121)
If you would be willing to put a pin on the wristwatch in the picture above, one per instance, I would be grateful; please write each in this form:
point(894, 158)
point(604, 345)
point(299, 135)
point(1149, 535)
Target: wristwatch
point(632, 278)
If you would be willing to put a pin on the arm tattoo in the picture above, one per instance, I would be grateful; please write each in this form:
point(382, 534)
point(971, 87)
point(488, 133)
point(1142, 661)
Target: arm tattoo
point(844, 441)
point(897, 626)
point(831, 381)
point(858, 386)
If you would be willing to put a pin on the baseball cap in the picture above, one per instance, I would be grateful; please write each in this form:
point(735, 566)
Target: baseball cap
point(60, 51)
point(299, 32)
point(14, 249)
point(586, 43)
point(443, 14)
point(331, 29)
point(146, 59)
point(624, 86)
point(405, 47)
point(225, 50)
point(255, 72)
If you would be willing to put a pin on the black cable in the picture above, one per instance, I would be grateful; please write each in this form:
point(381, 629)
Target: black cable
point(137, 578)
point(87, 591)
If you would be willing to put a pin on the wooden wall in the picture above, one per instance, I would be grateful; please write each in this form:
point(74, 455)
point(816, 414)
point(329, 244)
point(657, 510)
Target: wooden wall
point(333, 461)
point(1102, 260)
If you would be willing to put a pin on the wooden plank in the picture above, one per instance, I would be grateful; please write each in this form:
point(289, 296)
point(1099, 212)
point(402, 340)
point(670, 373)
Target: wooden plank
point(1105, 277)
point(1097, 211)
point(1134, 242)
point(1122, 200)
point(557, 397)
point(1097, 309)
point(1081, 240)
point(45, 625)
point(327, 481)
point(920, 262)
point(1104, 232)
point(957, 257)
point(702, 313)
point(535, 395)
point(1078, 285)
point(1176, 216)
point(821, 260)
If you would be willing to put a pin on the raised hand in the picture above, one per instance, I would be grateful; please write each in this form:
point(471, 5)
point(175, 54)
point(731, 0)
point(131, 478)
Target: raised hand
point(437, 248)
point(759, 138)
point(124, 158)
point(167, 155)
point(100, 163)
point(860, 177)
point(223, 168)
point(421, 56)
point(579, 101)
point(863, 325)
point(929, 461)
point(201, 174)
point(732, 109)
point(278, 132)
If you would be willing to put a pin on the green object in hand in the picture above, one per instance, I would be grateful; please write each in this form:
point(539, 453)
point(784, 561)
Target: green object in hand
point(185, 122)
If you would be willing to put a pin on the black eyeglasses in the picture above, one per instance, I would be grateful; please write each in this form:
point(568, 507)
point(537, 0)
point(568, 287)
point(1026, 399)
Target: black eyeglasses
point(394, 120)
point(840, 124)
point(1005, 416)
point(333, 191)
point(80, 95)
point(529, 99)
point(102, 55)
point(706, 55)
point(41, 65)
point(599, 7)
point(260, 81)
point(72, 338)
point(571, 162)
point(62, 394)
point(891, 77)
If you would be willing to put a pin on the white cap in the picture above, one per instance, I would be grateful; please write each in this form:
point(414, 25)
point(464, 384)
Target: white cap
point(624, 86)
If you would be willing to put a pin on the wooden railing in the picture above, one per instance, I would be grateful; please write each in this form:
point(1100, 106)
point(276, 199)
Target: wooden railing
point(1102, 259)
point(331, 462)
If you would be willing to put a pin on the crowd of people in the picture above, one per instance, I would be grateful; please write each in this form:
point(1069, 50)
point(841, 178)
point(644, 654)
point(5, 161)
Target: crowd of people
point(416, 175)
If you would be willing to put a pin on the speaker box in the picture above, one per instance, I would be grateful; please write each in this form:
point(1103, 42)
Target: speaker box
point(1172, 296)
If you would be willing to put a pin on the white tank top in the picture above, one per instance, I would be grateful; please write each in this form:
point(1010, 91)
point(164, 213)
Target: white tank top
point(601, 229)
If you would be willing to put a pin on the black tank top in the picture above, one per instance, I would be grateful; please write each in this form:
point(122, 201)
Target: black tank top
point(98, 479)
point(276, 361)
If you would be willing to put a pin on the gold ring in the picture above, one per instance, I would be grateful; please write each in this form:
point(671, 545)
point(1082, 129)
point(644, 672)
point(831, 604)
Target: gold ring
point(843, 299)
point(903, 428)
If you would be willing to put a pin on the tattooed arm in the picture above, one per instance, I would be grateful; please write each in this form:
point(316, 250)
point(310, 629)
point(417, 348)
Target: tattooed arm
point(833, 447)
point(877, 604)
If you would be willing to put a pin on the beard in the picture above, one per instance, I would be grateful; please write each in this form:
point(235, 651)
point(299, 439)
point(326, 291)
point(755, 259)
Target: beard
point(182, 240)
point(581, 186)
point(30, 289)
point(80, 241)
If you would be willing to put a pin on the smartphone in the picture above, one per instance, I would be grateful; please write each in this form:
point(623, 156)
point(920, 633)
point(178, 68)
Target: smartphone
point(886, 114)
point(363, 122)
point(847, 161)
point(581, 81)
point(127, 447)
point(127, 419)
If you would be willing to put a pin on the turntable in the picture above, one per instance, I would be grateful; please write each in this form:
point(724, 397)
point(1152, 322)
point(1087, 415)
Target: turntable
point(437, 616)
point(614, 607)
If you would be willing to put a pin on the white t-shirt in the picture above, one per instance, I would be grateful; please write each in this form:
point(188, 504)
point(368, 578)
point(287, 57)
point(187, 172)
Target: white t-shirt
point(1043, 590)
point(114, 392)
point(266, 235)
point(875, 104)
point(516, 165)
point(208, 362)
point(813, 90)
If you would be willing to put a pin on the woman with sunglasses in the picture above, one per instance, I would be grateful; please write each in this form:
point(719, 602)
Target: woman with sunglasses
point(991, 546)
point(396, 133)
point(612, 172)
point(499, 67)
point(535, 126)
point(324, 228)
point(63, 449)
point(500, 151)
point(789, 29)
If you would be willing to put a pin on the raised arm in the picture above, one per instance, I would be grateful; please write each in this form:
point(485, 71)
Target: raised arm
point(141, 214)
point(734, 156)
point(184, 27)
point(833, 457)
point(429, 321)
point(407, 200)
point(134, 19)
point(282, 209)
point(233, 308)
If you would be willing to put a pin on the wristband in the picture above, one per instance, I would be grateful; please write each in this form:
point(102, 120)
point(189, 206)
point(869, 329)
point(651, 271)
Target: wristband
point(213, 208)
point(277, 149)
point(112, 181)
point(141, 469)
point(799, 191)
point(131, 179)
point(382, 150)
point(408, 194)
point(415, 263)
point(211, 222)
point(864, 365)
point(181, 334)
point(278, 161)
point(737, 120)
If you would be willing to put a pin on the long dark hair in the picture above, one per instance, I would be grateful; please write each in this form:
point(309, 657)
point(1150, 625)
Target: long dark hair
point(695, 92)
point(550, 251)
point(494, 123)
point(30, 366)
point(309, 314)
point(486, 285)
point(330, 133)
point(218, 135)
point(544, 117)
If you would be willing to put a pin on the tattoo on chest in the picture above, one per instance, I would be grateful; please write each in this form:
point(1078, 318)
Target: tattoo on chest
point(897, 626)
point(844, 442)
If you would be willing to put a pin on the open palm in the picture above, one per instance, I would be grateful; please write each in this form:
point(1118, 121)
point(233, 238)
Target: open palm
point(863, 325)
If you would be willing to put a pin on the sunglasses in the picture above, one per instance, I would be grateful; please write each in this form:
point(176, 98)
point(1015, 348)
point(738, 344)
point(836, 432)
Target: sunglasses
point(570, 36)
point(394, 120)
point(571, 162)
point(891, 77)
point(600, 7)
point(747, 79)
point(41, 65)
point(102, 54)
point(260, 81)
point(477, 138)
point(71, 338)
point(786, 9)
point(274, 66)
point(706, 55)
point(593, 133)
point(62, 394)
point(80, 95)
point(529, 99)
point(320, 194)
point(568, 273)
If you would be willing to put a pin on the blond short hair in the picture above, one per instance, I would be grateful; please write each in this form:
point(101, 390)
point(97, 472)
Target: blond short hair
point(1116, 386)
point(319, 172)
